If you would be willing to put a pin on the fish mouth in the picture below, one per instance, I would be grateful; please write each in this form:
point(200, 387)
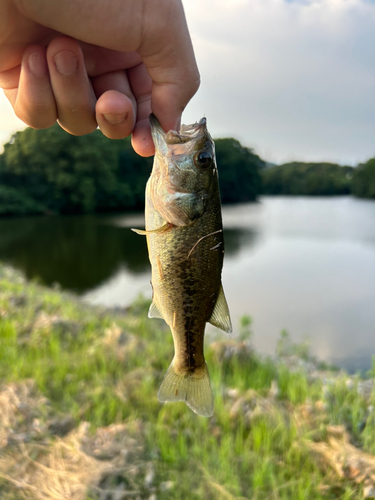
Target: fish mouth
point(186, 134)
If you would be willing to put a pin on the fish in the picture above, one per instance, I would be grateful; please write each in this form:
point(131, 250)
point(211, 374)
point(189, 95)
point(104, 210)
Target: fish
point(185, 242)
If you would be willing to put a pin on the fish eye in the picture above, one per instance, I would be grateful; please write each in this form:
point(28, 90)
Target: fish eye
point(203, 159)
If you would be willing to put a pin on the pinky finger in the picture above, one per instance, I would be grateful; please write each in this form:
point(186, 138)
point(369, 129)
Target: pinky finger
point(34, 102)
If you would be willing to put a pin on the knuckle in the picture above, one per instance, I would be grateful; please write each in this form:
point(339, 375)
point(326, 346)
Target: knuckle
point(196, 77)
point(38, 117)
point(196, 84)
point(37, 122)
point(191, 83)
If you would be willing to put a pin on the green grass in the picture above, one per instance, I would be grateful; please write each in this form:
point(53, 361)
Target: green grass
point(230, 456)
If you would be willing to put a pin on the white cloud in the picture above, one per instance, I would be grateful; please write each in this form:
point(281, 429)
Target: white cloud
point(294, 79)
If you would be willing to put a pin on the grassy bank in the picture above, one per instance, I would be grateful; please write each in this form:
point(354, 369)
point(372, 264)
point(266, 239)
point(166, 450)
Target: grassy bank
point(79, 417)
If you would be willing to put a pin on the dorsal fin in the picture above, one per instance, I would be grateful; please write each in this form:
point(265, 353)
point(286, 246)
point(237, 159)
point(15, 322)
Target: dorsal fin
point(220, 316)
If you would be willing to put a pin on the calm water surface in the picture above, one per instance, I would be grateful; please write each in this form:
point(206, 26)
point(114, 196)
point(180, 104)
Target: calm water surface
point(303, 264)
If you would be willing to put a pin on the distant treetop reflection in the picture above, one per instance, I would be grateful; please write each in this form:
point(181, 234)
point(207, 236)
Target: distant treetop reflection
point(235, 238)
point(81, 252)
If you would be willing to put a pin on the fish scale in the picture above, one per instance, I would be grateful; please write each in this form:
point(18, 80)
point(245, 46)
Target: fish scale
point(186, 250)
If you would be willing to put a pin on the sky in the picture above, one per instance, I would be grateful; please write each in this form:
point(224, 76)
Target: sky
point(292, 79)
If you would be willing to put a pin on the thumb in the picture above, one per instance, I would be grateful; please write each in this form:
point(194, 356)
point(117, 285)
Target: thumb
point(168, 55)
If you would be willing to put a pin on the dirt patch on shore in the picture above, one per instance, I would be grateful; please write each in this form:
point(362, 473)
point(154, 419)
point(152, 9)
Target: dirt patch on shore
point(37, 464)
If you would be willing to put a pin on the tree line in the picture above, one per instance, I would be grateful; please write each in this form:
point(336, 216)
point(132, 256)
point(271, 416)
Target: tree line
point(320, 179)
point(52, 172)
point(299, 178)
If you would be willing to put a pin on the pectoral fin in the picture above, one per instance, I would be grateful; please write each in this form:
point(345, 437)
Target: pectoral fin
point(161, 229)
point(220, 316)
point(154, 311)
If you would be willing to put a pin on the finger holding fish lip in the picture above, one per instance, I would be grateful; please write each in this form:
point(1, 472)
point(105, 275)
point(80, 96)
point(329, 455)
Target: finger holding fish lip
point(141, 85)
point(141, 139)
point(166, 105)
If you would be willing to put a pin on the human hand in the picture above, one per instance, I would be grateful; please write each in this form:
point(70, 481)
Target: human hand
point(119, 61)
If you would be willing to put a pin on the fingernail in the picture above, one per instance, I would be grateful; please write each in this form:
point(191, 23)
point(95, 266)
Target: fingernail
point(37, 64)
point(66, 62)
point(115, 119)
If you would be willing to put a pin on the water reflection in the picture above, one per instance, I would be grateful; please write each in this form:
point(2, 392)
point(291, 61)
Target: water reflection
point(81, 253)
point(236, 238)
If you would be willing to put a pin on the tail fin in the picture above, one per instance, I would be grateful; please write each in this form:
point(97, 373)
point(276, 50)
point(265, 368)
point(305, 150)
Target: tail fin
point(192, 388)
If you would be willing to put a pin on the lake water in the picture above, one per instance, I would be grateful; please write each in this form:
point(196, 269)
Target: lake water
point(302, 264)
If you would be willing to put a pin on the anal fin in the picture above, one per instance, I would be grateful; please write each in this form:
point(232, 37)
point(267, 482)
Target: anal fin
point(154, 311)
point(220, 316)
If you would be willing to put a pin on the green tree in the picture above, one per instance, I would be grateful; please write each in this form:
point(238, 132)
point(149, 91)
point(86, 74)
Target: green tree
point(67, 174)
point(314, 179)
point(238, 171)
point(364, 180)
point(12, 202)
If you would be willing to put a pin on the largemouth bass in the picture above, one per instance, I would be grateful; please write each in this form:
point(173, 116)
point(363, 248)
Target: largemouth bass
point(186, 249)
